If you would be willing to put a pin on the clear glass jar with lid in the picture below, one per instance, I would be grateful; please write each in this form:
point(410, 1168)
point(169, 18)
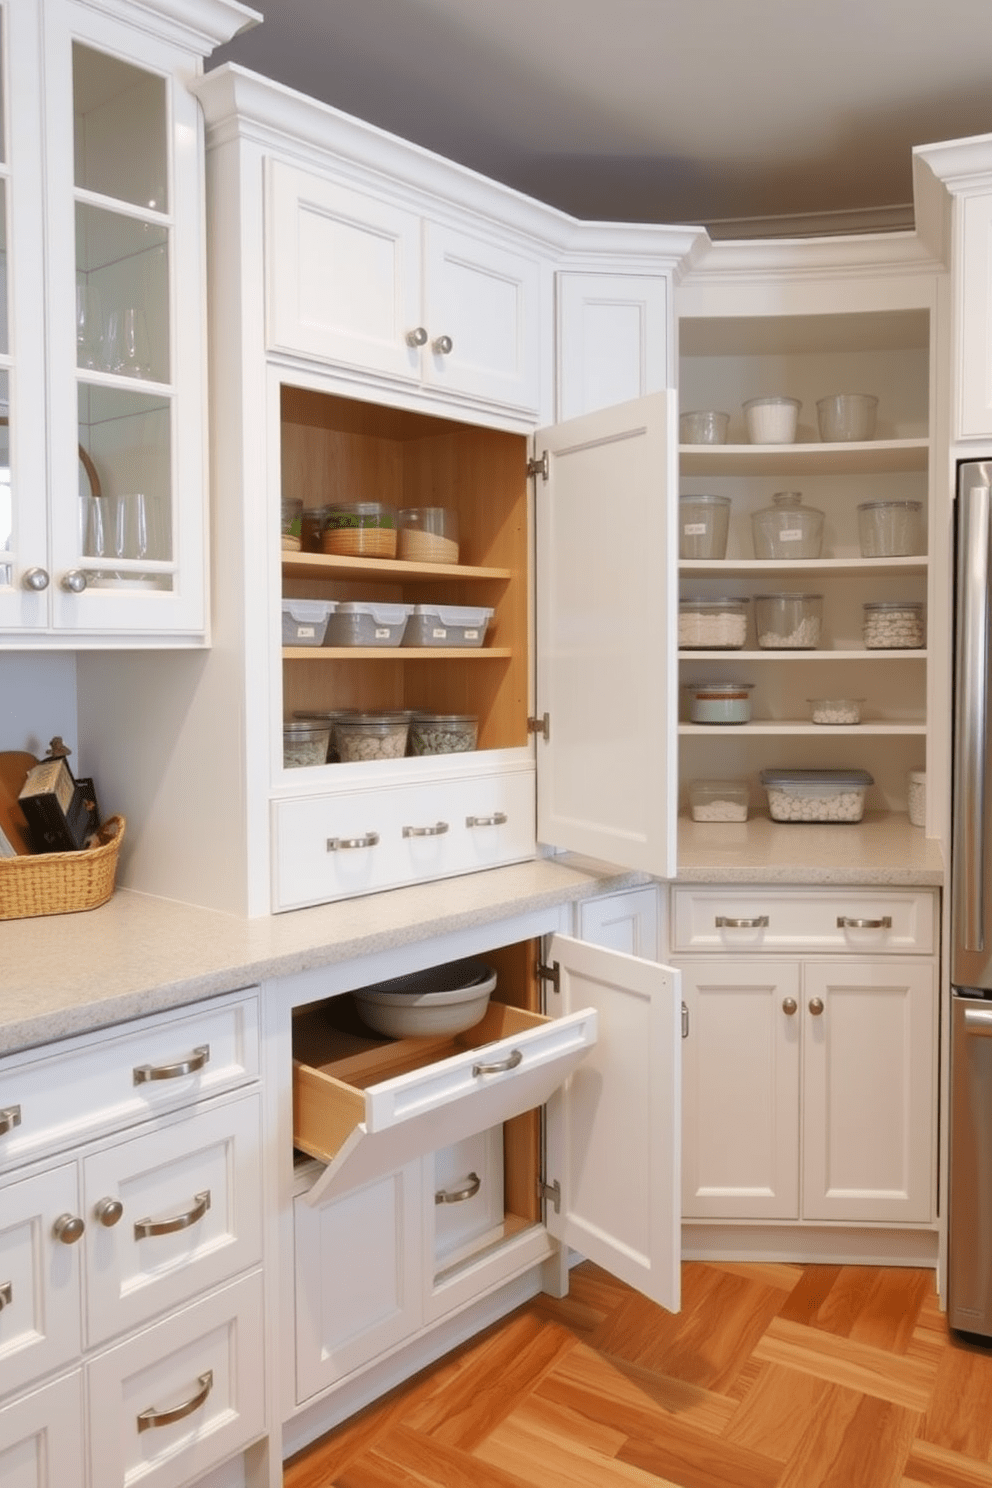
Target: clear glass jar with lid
point(787, 529)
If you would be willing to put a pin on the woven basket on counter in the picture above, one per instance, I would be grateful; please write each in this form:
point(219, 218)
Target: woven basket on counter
point(61, 882)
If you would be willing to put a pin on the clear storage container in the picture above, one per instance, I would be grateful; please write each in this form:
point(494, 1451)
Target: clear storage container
point(704, 522)
point(292, 519)
point(712, 624)
point(447, 625)
point(787, 529)
point(917, 797)
point(427, 534)
point(312, 530)
point(360, 529)
point(846, 416)
point(719, 702)
point(366, 623)
point(304, 621)
point(816, 795)
point(771, 420)
point(835, 710)
point(327, 720)
point(371, 736)
point(890, 529)
point(894, 625)
point(718, 800)
point(443, 733)
point(787, 622)
point(703, 427)
point(304, 742)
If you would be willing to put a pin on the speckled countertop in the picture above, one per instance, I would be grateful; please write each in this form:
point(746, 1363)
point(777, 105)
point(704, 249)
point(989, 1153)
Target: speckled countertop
point(882, 849)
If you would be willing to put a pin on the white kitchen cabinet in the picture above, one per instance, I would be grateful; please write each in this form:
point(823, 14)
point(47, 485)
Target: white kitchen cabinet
point(809, 1084)
point(629, 922)
point(131, 1241)
point(974, 408)
point(613, 339)
point(103, 512)
point(40, 1435)
point(371, 283)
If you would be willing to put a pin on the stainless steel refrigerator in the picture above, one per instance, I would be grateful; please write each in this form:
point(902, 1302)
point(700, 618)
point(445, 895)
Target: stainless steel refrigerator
point(970, 1171)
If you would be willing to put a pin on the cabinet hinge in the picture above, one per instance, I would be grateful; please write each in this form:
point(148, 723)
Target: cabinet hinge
point(685, 1021)
point(550, 974)
point(551, 1193)
point(540, 725)
point(541, 466)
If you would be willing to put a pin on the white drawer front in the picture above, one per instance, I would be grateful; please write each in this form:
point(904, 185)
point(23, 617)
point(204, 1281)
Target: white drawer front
point(324, 849)
point(39, 1278)
point(189, 1214)
point(180, 1397)
point(857, 919)
point(100, 1082)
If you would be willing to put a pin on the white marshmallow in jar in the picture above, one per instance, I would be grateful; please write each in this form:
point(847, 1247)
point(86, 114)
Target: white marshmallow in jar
point(894, 625)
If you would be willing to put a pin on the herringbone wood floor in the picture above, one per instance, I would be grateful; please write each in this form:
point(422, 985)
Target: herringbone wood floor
point(771, 1376)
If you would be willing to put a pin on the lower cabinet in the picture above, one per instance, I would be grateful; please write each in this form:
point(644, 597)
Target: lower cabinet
point(40, 1435)
point(809, 1084)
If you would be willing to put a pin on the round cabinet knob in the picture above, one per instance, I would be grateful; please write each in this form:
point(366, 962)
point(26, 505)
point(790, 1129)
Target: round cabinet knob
point(417, 337)
point(790, 1006)
point(73, 582)
point(68, 1228)
point(816, 1006)
point(36, 579)
point(443, 345)
point(109, 1211)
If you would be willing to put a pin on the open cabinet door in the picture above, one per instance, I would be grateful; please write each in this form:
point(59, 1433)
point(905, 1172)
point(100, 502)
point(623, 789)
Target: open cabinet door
point(607, 606)
point(614, 1128)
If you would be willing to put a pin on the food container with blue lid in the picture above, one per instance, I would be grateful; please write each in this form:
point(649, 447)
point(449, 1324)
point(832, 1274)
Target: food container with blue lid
point(816, 795)
point(719, 702)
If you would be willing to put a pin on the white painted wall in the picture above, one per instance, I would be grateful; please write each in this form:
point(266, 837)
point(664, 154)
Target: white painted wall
point(37, 701)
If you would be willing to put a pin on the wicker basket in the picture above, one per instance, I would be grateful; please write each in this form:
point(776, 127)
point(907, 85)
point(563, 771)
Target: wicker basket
point(61, 882)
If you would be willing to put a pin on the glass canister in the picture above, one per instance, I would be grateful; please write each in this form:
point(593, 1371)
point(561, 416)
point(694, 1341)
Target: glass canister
point(704, 522)
point(719, 702)
point(787, 529)
point(890, 529)
point(712, 624)
point(788, 621)
point(363, 529)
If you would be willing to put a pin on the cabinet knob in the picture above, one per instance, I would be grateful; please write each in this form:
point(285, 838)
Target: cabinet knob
point(790, 1006)
point(36, 579)
point(816, 1006)
point(417, 337)
point(68, 1228)
point(73, 582)
point(108, 1212)
point(442, 345)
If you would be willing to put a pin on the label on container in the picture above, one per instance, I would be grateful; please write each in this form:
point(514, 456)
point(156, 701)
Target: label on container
point(438, 633)
point(471, 635)
point(791, 534)
point(303, 631)
point(694, 529)
point(382, 632)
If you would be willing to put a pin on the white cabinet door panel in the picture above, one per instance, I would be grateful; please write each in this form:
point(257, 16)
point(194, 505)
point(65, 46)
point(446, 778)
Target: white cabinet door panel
point(40, 1436)
point(40, 1278)
point(612, 340)
point(614, 1130)
point(625, 922)
point(975, 318)
point(606, 609)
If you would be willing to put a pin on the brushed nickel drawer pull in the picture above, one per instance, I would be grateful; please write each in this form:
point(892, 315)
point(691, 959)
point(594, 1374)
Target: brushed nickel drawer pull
point(149, 1419)
point(498, 819)
point(845, 922)
point(146, 1228)
point(789, 1006)
point(336, 844)
point(145, 1072)
point(757, 922)
point(68, 1228)
point(6, 1294)
point(438, 830)
point(109, 1212)
point(10, 1116)
point(468, 1190)
point(816, 1006)
point(501, 1066)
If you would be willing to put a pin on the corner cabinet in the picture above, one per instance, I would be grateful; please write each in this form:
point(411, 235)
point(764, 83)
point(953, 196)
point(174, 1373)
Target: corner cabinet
point(102, 437)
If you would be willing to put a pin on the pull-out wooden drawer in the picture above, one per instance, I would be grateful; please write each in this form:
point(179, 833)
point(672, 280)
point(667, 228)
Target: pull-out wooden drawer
point(366, 1106)
point(857, 919)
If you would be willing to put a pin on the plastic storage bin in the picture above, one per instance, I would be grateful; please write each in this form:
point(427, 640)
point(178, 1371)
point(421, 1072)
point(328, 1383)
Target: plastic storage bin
point(427, 534)
point(447, 625)
point(371, 736)
point(835, 710)
point(718, 800)
point(360, 529)
point(787, 529)
point(304, 621)
point(443, 733)
point(771, 420)
point(703, 525)
point(816, 795)
point(890, 529)
point(894, 625)
point(366, 623)
point(712, 624)
point(719, 702)
point(304, 742)
point(788, 622)
point(329, 721)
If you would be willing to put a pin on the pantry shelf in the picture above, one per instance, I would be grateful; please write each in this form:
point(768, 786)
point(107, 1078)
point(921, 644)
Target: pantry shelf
point(396, 653)
point(742, 568)
point(797, 653)
point(876, 456)
point(769, 726)
point(332, 566)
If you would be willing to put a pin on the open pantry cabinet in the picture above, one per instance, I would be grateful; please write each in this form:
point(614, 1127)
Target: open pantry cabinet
point(431, 1171)
point(808, 336)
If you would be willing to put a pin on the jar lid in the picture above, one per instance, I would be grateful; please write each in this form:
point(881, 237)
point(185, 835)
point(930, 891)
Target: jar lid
point(787, 594)
point(918, 777)
point(816, 777)
point(773, 398)
point(894, 604)
point(787, 498)
point(712, 500)
point(304, 729)
point(887, 505)
point(712, 604)
point(446, 718)
point(723, 689)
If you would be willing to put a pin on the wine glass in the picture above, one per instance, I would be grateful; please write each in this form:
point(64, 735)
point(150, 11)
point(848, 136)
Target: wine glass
point(89, 327)
point(127, 348)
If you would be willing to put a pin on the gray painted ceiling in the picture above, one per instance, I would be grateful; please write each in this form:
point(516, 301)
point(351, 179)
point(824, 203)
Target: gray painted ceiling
point(743, 115)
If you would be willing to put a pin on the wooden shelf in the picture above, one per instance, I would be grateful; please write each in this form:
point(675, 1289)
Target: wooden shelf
point(812, 730)
point(396, 653)
point(330, 566)
point(799, 653)
point(814, 568)
point(894, 456)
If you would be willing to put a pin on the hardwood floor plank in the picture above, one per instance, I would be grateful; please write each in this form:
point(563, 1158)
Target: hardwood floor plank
point(780, 1409)
point(936, 1467)
point(694, 1459)
point(870, 1371)
point(408, 1458)
point(541, 1458)
point(864, 1448)
point(896, 1297)
point(959, 1416)
point(808, 1296)
point(847, 1298)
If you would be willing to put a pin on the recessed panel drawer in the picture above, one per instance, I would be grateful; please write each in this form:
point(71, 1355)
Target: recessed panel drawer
point(367, 1106)
point(98, 1083)
point(335, 846)
point(831, 920)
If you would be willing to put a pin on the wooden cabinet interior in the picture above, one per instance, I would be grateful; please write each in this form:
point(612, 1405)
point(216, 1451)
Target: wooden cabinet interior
point(338, 449)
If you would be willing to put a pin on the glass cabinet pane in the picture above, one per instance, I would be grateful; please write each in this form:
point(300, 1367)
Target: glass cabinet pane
point(120, 130)
point(125, 486)
point(122, 295)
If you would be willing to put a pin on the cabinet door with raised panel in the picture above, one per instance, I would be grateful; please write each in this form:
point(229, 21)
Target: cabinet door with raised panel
point(40, 1437)
point(869, 1090)
point(40, 1268)
point(740, 1089)
point(974, 311)
point(612, 340)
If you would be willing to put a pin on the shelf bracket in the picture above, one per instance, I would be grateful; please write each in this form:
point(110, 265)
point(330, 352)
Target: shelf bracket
point(541, 466)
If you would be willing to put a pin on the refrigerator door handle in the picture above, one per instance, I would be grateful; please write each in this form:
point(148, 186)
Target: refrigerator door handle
point(978, 1021)
point(974, 534)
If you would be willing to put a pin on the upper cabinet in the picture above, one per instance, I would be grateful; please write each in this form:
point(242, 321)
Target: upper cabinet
point(103, 509)
point(614, 339)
